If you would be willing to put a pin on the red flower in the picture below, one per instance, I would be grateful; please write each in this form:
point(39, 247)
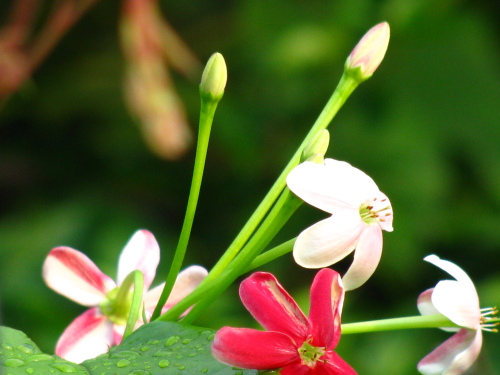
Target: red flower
point(296, 344)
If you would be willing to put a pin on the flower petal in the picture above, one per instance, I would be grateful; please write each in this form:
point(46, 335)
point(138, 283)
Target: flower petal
point(459, 304)
point(72, 274)
point(366, 258)
point(328, 241)
point(333, 364)
point(253, 349)
point(89, 335)
point(186, 282)
point(335, 184)
point(327, 298)
point(140, 253)
point(457, 300)
point(272, 306)
point(454, 356)
point(454, 270)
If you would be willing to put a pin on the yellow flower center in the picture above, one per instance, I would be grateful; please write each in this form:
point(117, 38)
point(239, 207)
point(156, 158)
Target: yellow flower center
point(310, 354)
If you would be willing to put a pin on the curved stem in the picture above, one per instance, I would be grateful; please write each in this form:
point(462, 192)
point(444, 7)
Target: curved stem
point(207, 112)
point(135, 278)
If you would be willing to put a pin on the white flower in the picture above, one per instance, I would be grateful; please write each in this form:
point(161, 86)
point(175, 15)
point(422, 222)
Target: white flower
point(458, 301)
point(360, 211)
point(72, 274)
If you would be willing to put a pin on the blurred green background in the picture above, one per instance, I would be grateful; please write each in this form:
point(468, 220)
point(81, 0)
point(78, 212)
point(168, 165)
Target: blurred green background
point(74, 169)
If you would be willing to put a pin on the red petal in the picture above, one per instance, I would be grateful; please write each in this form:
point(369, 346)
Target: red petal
point(333, 365)
point(72, 274)
point(89, 335)
point(273, 307)
point(253, 349)
point(327, 296)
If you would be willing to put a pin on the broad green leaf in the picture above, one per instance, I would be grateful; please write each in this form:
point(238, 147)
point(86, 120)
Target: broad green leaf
point(163, 348)
point(19, 355)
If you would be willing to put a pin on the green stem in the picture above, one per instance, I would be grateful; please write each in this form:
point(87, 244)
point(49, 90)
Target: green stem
point(411, 322)
point(279, 215)
point(272, 254)
point(343, 90)
point(136, 279)
point(207, 112)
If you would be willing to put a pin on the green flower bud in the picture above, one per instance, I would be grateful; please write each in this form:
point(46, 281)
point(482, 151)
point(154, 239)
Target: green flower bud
point(369, 52)
point(316, 149)
point(214, 78)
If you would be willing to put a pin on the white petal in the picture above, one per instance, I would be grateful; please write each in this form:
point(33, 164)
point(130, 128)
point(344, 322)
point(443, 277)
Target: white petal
point(425, 305)
point(366, 258)
point(454, 270)
point(454, 356)
point(72, 274)
point(140, 253)
point(458, 303)
point(457, 300)
point(328, 241)
point(89, 335)
point(331, 185)
point(186, 282)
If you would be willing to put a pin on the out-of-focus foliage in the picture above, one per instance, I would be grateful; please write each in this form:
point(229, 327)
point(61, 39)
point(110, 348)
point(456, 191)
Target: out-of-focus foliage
point(74, 169)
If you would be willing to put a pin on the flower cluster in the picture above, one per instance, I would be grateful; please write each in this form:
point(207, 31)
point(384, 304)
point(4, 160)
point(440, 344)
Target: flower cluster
point(72, 274)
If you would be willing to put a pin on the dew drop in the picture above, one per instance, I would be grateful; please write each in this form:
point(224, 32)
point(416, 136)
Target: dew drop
point(162, 353)
point(172, 340)
point(129, 354)
point(192, 354)
point(139, 372)
point(13, 362)
point(30, 370)
point(7, 346)
point(211, 337)
point(39, 357)
point(164, 363)
point(64, 367)
point(204, 370)
point(182, 367)
point(145, 348)
point(154, 342)
point(26, 348)
point(178, 356)
point(186, 341)
point(122, 363)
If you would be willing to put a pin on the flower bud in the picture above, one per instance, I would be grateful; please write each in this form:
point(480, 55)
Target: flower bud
point(316, 149)
point(214, 78)
point(369, 52)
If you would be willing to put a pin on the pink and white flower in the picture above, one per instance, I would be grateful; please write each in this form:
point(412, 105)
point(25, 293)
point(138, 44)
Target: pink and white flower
point(293, 343)
point(360, 211)
point(72, 274)
point(458, 301)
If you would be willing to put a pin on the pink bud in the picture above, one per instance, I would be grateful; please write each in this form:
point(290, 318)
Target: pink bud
point(370, 51)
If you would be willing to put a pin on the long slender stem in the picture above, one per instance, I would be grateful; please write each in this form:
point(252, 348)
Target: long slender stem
point(411, 322)
point(206, 118)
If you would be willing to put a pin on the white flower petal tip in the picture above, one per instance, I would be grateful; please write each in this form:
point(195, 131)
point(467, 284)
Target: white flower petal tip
point(142, 253)
point(360, 211)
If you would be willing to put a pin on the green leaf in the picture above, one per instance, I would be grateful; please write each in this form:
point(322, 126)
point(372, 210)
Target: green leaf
point(163, 348)
point(19, 355)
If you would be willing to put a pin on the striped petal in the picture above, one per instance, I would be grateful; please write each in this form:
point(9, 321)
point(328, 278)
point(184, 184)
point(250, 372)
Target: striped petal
point(454, 356)
point(89, 335)
point(253, 349)
point(72, 274)
point(273, 307)
point(327, 298)
point(140, 253)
